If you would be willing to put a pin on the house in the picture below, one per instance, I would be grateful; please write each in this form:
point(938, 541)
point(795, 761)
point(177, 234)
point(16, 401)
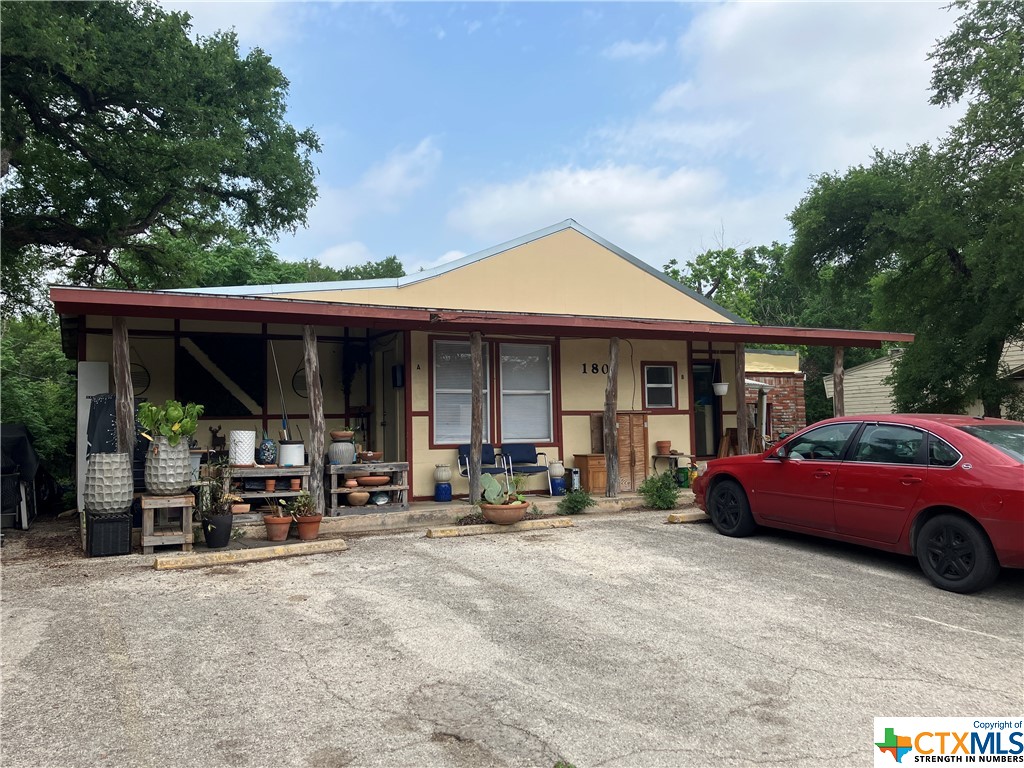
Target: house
point(562, 316)
point(866, 390)
point(775, 373)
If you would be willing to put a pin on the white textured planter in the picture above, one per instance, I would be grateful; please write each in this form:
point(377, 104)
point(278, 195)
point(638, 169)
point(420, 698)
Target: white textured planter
point(108, 483)
point(242, 447)
point(556, 469)
point(721, 388)
point(168, 468)
point(442, 473)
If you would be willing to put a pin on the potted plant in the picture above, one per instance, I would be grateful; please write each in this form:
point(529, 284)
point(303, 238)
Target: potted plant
point(214, 513)
point(502, 506)
point(303, 509)
point(168, 427)
point(277, 522)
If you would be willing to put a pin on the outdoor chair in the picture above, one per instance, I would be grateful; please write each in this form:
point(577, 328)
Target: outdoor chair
point(525, 459)
point(491, 462)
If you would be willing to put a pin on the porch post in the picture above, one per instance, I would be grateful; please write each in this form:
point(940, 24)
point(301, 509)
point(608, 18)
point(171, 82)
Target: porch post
point(125, 408)
point(611, 403)
point(838, 404)
point(476, 423)
point(316, 418)
point(742, 441)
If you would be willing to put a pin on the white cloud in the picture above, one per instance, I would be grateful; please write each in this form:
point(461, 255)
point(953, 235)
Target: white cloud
point(766, 95)
point(346, 255)
point(402, 173)
point(256, 24)
point(627, 49)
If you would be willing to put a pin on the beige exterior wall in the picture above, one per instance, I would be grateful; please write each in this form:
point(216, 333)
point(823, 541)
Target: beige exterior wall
point(772, 361)
point(863, 388)
point(566, 258)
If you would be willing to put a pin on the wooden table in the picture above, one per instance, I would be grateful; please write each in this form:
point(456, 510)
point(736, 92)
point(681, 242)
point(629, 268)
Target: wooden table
point(179, 532)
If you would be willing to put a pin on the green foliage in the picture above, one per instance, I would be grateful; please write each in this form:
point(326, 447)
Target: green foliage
point(302, 505)
point(575, 503)
point(170, 420)
point(117, 125)
point(39, 390)
point(660, 491)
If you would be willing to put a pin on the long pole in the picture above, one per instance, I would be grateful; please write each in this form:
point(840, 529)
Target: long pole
point(280, 389)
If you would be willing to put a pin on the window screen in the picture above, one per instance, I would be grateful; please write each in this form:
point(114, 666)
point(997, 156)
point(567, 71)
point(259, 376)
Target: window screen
point(453, 393)
point(526, 393)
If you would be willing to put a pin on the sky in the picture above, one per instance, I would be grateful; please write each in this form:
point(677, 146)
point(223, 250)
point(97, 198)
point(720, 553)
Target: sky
point(666, 128)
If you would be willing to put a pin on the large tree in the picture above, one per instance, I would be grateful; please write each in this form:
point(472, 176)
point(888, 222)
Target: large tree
point(117, 125)
point(938, 234)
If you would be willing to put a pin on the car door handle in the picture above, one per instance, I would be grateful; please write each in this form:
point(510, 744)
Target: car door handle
point(821, 473)
point(910, 480)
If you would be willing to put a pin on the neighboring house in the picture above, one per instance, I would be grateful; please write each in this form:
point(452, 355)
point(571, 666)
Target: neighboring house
point(394, 354)
point(865, 390)
point(779, 375)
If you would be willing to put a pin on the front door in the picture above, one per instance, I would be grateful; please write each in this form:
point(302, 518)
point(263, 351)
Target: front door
point(632, 438)
point(798, 488)
point(879, 482)
point(706, 411)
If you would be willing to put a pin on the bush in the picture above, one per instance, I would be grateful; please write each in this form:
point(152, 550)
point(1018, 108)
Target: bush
point(575, 502)
point(660, 491)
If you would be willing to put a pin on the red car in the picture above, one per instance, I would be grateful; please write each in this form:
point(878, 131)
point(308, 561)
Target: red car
point(948, 489)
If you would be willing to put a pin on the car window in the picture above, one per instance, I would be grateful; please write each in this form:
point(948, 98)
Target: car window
point(888, 444)
point(821, 444)
point(941, 453)
point(1008, 438)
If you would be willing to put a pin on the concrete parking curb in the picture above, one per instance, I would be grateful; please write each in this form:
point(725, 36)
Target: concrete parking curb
point(477, 530)
point(689, 516)
point(204, 559)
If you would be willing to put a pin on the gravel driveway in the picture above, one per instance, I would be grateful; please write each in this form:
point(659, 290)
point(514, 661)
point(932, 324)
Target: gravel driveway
point(619, 642)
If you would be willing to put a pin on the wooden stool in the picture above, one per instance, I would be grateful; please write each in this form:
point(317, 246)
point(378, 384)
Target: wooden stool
point(157, 538)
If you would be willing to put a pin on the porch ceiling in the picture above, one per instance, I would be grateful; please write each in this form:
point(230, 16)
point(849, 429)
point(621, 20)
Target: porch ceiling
point(70, 301)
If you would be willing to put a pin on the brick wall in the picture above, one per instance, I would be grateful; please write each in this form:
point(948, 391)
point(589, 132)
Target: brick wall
point(788, 412)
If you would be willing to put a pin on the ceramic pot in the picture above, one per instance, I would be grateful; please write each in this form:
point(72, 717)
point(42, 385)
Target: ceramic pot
point(108, 483)
point(341, 452)
point(267, 453)
point(342, 434)
point(351, 483)
point(721, 388)
point(357, 498)
point(442, 473)
point(295, 483)
point(292, 453)
point(217, 530)
point(504, 514)
point(240, 509)
point(556, 469)
point(277, 527)
point(168, 467)
point(662, 447)
point(270, 485)
point(242, 447)
point(309, 526)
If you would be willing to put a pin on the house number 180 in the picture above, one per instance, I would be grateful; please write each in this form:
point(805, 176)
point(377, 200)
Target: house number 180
point(594, 368)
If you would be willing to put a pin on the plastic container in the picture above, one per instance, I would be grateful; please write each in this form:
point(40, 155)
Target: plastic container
point(108, 534)
point(292, 454)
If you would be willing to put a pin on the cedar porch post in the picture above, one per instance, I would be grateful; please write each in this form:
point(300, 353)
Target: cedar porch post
point(125, 395)
point(742, 441)
point(476, 423)
point(838, 404)
point(611, 402)
point(316, 418)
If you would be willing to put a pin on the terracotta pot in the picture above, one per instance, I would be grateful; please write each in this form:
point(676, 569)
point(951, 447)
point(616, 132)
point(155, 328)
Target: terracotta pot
point(342, 434)
point(240, 509)
point(270, 485)
point(662, 447)
point(309, 526)
point(277, 527)
point(351, 483)
point(375, 480)
point(296, 483)
point(504, 514)
point(357, 498)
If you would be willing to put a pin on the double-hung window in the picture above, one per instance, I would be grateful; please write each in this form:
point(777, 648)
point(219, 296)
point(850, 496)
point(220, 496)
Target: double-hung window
point(526, 393)
point(453, 393)
point(660, 386)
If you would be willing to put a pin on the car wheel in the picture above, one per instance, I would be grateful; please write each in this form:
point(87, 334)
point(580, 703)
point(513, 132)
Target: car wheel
point(730, 510)
point(955, 554)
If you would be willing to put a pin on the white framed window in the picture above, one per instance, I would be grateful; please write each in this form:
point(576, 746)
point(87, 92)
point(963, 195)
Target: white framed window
point(526, 393)
point(659, 386)
point(453, 393)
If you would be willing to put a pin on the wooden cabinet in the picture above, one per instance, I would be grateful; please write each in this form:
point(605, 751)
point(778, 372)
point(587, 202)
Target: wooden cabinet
point(593, 474)
point(632, 449)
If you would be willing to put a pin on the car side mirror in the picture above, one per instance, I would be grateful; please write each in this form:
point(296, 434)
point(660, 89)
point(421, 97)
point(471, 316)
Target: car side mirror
point(779, 453)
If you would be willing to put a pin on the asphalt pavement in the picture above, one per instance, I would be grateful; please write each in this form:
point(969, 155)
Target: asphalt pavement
point(622, 641)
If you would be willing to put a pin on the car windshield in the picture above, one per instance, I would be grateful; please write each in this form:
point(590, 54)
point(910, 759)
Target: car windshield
point(1008, 438)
